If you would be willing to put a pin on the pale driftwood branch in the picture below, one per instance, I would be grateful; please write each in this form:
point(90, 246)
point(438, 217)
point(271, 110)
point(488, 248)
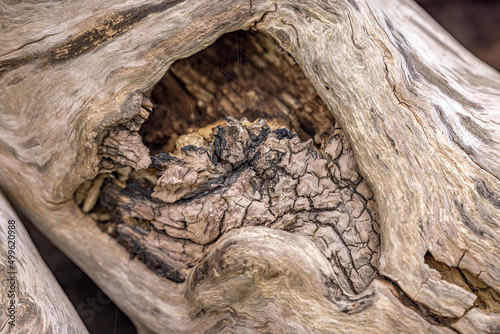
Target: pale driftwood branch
point(427, 182)
point(420, 112)
point(240, 174)
point(32, 300)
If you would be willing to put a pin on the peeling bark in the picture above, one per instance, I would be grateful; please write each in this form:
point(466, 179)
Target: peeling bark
point(122, 146)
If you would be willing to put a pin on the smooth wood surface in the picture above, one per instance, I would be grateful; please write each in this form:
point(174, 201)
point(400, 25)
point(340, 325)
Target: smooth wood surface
point(40, 305)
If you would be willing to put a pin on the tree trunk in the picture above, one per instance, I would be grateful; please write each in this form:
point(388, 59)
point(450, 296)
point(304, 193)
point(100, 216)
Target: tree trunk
point(246, 227)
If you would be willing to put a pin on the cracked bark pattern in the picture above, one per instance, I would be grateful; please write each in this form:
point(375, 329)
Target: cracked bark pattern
point(488, 299)
point(239, 174)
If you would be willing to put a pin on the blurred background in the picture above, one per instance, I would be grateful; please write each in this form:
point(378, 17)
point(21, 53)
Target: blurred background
point(474, 23)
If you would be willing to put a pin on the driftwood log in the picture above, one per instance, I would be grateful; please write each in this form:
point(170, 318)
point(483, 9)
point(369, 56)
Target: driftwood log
point(367, 202)
point(31, 298)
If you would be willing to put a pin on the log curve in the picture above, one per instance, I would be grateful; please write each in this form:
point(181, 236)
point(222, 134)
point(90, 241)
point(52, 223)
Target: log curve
point(419, 111)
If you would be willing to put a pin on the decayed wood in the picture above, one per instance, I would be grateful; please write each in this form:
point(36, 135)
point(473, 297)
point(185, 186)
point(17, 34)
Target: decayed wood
point(419, 111)
point(232, 174)
point(32, 300)
point(248, 174)
point(242, 75)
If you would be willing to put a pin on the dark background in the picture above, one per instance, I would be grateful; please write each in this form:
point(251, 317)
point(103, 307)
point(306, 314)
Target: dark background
point(474, 23)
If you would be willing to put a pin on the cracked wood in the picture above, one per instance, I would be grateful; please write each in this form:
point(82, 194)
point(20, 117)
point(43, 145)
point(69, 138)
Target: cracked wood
point(420, 112)
point(249, 174)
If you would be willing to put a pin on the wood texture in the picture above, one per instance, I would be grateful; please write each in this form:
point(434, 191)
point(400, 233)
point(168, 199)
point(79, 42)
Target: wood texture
point(40, 305)
point(239, 174)
point(420, 112)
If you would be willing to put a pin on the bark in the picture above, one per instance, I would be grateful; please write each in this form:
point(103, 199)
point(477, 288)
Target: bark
point(414, 109)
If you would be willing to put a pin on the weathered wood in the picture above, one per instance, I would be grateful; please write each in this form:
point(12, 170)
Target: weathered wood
point(247, 174)
point(420, 112)
point(32, 300)
point(429, 182)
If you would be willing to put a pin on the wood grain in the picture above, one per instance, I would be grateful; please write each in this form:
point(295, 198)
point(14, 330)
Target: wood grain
point(40, 305)
point(420, 112)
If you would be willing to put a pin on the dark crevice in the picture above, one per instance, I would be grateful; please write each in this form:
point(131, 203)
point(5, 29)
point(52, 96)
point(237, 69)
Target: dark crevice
point(239, 79)
point(420, 308)
point(488, 299)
